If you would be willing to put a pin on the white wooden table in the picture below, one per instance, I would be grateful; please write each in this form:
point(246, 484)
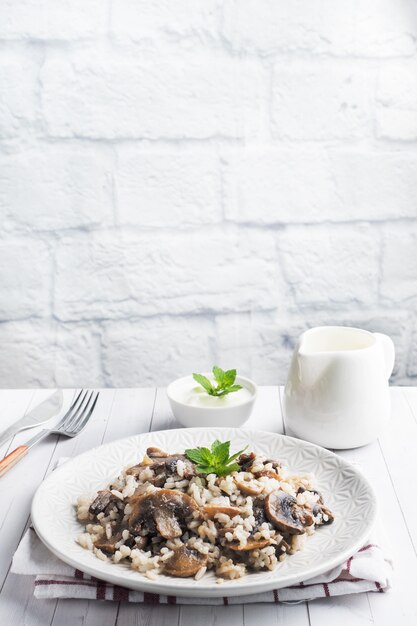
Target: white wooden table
point(390, 464)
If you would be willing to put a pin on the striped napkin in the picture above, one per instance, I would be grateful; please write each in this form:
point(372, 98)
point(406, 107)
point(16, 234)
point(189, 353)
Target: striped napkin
point(369, 569)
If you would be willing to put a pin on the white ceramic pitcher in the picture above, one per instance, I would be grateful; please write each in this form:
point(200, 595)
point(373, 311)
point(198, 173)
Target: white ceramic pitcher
point(337, 391)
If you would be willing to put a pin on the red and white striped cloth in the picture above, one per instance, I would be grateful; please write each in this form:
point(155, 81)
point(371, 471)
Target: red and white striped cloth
point(367, 570)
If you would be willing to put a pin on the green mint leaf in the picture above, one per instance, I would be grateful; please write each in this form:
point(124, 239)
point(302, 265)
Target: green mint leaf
point(202, 456)
point(206, 455)
point(204, 382)
point(234, 388)
point(221, 451)
point(206, 469)
point(194, 455)
point(216, 460)
point(229, 390)
point(230, 377)
point(219, 376)
point(228, 469)
point(234, 456)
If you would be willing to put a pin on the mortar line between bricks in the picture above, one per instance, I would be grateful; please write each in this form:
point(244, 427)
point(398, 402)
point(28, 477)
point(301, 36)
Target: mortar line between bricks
point(80, 232)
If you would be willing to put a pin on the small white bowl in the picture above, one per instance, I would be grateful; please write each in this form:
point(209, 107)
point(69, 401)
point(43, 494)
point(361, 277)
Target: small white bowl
point(220, 415)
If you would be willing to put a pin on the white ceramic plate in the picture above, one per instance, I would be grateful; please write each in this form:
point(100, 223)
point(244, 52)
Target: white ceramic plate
point(345, 491)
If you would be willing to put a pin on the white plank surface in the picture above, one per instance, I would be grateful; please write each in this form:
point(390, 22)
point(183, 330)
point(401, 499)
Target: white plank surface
point(390, 465)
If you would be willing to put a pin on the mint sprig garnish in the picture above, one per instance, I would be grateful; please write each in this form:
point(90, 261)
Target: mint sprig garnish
point(225, 382)
point(214, 461)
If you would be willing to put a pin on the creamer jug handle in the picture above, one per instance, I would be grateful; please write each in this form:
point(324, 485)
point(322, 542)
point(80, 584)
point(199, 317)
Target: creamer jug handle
point(389, 352)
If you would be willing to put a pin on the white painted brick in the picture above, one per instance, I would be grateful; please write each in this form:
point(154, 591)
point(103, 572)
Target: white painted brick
point(26, 354)
point(39, 353)
point(326, 100)
point(375, 185)
point(136, 19)
point(54, 186)
point(52, 19)
point(259, 345)
point(157, 350)
point(77, 356)
point(18, 89)
point(195, 272)
point(399, 263)
point(168, 189)
point(398, 124)
point(25, 276)
point(375, 28)
point(397, 101)
point(328, 266)
point(103, 93)
point(274, 186)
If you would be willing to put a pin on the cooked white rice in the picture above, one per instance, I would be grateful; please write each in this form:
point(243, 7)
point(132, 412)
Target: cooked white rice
point(220, 538)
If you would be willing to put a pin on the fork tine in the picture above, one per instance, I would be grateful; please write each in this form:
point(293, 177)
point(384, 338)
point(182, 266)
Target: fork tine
point(81, 412)
point(75, 401)
point(72, 410)
point(69, 423)
point(85, 416)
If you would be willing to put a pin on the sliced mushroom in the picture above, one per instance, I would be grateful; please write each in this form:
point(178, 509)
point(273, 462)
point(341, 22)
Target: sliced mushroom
point(259, 513)
point(321, 513)
point(102, 501)
point(285, 514)
point(108, 545)
point(249, 487)
point(268, 474)
point(210, 510)
point(246, 461)
point(251, 544)
point(171, 465)
point(156, 453)
point(165, 510)
point(184, 562)
point(163, 465)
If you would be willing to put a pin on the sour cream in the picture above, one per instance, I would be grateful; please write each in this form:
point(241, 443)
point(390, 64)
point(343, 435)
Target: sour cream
point(192, 406)
point(193, 394)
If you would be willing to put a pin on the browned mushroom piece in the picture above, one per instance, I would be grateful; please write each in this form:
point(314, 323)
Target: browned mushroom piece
point(184, 562)
point(285, 514)
point(163, 465)
point(249, 488)
point(321, 513)
point(165, 510)
point(156, 453)
point(210, 510)
point(108, 545)
point(268, 474)
point(246, 461)
point(251, 544)
point(259, 513)
point(102, 502)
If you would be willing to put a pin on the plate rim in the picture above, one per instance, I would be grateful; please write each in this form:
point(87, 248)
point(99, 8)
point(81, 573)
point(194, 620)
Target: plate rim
point(214, 590)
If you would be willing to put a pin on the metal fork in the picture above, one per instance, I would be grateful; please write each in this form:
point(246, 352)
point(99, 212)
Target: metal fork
point(70, 425)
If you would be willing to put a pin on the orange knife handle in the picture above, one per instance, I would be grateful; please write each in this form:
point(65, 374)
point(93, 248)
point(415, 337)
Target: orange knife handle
point(11, 459)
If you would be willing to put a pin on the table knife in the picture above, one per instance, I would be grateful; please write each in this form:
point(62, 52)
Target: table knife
point(37, 416)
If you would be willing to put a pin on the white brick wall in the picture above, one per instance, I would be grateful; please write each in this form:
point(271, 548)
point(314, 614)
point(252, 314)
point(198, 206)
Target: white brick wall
point(199, 181)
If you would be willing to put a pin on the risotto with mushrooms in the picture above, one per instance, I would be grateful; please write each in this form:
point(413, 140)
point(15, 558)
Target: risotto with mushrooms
point(170, 515)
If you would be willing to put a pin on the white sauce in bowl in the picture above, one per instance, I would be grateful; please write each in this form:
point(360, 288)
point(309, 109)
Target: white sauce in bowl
point(192, 394)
